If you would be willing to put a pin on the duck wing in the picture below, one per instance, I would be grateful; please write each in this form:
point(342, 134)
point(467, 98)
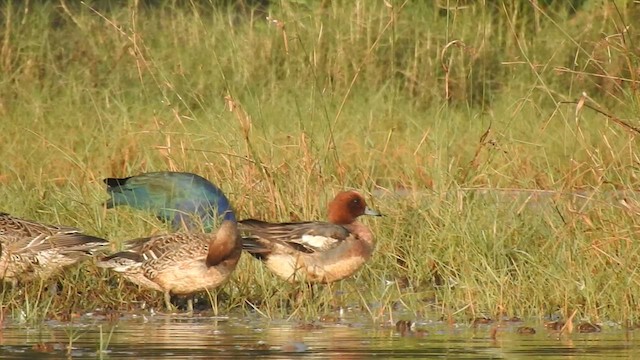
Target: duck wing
point(13, 228)
point(157, 247)
point(308, 237)
point(63, 243)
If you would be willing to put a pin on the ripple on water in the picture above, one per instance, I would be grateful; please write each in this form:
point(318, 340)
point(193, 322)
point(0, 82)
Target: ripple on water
point(177, 337)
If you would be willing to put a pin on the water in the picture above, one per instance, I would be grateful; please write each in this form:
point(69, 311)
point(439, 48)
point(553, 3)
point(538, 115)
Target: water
point(182, 337)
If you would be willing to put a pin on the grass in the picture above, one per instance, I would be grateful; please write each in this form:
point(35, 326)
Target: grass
point(424, 105)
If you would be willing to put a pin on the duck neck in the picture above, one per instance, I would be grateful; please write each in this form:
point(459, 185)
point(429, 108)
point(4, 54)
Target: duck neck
point(362, 232)
point(225, 244)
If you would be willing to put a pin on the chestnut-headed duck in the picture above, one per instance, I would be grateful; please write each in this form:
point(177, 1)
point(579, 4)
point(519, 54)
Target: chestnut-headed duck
point(314, 251)
point(30, 250)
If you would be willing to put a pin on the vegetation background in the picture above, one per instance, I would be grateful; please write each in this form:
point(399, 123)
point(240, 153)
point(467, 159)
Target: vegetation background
point(499, 138)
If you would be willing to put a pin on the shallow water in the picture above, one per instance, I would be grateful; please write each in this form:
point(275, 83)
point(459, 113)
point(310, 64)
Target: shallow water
point(182, 337)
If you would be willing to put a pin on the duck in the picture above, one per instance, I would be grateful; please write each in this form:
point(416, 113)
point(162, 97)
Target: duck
point(317, 251)
point(198, 257)
point(30, 250)
point(314, 251)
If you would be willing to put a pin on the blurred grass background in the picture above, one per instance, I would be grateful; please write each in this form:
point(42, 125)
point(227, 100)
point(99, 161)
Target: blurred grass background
point(426, 107)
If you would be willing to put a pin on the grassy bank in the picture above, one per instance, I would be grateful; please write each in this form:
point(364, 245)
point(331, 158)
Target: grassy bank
point(395, 98)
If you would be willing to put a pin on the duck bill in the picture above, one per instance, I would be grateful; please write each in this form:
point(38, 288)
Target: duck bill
point(371, 212)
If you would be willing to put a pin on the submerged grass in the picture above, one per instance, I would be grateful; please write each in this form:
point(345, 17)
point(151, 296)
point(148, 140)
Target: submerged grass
point(426, 107)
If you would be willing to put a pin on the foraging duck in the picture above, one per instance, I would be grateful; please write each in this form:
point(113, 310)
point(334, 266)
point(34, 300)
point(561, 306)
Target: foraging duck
point(314, 251)
point(31, 250)
point(185, 200)
point(182, 263)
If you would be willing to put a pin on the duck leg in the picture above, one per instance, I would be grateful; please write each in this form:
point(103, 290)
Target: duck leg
point(167, 301)
point(190, 305)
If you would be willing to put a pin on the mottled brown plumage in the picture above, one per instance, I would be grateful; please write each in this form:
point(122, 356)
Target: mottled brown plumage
point(31, 250)
point(180, 263)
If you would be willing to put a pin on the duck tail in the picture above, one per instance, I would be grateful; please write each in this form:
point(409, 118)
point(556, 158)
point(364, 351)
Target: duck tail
point(86, 244)
point(121, 261)
point(254, 247)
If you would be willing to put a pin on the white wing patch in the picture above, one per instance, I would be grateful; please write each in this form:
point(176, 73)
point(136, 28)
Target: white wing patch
point(318, 242)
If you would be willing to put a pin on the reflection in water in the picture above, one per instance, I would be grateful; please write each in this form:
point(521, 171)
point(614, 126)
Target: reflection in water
point(158, 337)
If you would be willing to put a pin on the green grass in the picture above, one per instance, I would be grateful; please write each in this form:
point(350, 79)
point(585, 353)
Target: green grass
point(427, 97)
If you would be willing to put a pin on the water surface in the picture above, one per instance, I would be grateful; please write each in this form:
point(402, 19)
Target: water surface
point(206, 337)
